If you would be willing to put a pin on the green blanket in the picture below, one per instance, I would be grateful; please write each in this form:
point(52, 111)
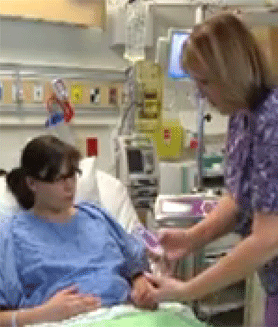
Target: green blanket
point(169, 315)
point(152, 319)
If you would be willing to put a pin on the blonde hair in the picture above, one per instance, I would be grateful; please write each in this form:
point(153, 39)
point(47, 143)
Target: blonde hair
point(225, 52)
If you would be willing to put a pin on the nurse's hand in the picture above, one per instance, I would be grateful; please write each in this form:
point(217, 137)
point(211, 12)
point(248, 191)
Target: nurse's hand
point(176, 242)
point(166, 288)
point(67, 303)
point(142, 293)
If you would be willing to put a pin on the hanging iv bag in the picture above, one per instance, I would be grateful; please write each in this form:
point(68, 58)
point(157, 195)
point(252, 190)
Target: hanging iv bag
point(135, 31)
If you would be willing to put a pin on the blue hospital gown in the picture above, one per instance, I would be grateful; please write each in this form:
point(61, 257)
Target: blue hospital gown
point(252, 170)
point(39, 257)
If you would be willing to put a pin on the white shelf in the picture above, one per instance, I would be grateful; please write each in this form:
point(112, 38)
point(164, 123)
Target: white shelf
point(56, 66)
point(41, 123)
point(81, 119)
point(211, 309)
point(33, 108)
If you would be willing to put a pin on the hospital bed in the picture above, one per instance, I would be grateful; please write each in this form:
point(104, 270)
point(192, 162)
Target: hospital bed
point(97, 186)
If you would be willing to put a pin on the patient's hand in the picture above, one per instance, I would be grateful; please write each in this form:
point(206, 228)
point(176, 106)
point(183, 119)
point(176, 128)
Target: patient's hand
point(142, 293)
point(67, 303)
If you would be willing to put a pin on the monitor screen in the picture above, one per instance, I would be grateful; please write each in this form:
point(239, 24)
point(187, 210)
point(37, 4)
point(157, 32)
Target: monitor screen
point(135, 161)
point(177, 39)
point(176, 207)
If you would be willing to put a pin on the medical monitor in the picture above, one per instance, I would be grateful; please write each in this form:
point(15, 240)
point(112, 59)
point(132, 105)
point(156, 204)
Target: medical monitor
point(177, 39)
point(135, 161)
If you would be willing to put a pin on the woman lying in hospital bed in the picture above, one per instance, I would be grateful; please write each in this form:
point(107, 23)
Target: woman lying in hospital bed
point(58, 260)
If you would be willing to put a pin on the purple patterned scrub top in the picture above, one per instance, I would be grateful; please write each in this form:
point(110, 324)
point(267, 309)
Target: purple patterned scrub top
point(251, 172)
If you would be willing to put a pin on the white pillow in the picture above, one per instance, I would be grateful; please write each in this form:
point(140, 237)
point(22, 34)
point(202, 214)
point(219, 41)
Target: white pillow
point(115, 198)
point(8, 203)
point(87, 187)
point(108, 192)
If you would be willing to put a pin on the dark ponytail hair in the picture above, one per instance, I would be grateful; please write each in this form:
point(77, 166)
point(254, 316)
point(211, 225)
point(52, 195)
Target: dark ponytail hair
point(42, 159)
point(16, 181)
point(3, 172)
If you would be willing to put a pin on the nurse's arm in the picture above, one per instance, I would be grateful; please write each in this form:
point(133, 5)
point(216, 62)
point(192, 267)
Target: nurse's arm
point(217, 223)
point(251, 253)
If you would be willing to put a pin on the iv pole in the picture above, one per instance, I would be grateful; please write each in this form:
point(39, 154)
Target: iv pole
point(200, 17)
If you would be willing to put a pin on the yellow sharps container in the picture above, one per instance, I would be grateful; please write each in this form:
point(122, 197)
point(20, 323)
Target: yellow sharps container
point(168, 139)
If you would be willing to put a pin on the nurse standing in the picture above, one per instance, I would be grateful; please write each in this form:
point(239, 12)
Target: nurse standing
point(230, 71)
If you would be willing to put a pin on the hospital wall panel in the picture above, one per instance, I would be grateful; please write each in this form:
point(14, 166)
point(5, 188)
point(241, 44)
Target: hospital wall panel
point(7, 95)
point(13, 139)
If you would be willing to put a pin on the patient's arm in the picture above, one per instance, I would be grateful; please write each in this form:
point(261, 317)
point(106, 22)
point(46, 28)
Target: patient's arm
point(63, 305)
point(142, 291)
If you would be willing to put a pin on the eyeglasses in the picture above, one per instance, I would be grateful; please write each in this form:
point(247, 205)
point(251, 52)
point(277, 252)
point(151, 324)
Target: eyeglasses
point(63, 177)
point(71, 174)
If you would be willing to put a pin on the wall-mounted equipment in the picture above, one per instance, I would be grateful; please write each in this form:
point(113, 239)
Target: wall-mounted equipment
point(178, 38)
point(183, 211)
point(137, 168)
point(149, 84)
